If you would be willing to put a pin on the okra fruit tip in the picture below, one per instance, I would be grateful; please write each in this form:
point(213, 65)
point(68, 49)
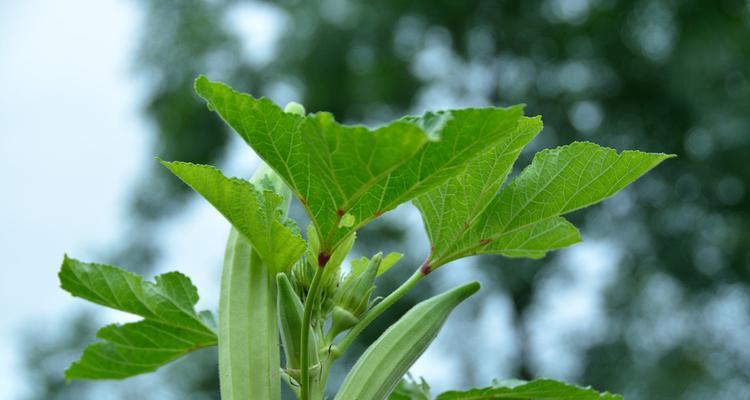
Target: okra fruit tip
point(383, 364)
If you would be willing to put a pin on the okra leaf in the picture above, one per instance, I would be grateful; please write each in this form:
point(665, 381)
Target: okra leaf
point(345, 176)
point(524, 218)
point(254, 212)
point(170, 329)
point(534, 240)
point(539, 389)
point(448, 210)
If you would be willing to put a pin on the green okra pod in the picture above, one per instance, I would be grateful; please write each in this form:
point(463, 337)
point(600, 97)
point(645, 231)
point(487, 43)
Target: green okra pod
point(383, 364)
point(248, 339)
point(249, 359)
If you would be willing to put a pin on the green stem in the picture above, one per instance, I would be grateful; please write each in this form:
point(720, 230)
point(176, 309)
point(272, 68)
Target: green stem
point(325, 366)
point(312, 295)
point(380, 308)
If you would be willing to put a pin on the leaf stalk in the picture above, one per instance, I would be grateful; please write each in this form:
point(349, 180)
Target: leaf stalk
point(378, 309)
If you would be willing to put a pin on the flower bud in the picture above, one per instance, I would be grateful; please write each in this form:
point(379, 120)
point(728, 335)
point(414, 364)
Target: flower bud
point(341, 320)
point(352, 298)
point(301, 277)
point(295, 108)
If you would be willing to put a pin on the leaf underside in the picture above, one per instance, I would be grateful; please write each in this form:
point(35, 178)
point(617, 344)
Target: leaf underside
point(352, 172)
point(254, 212)
point(540, 389)
point(170, 327)
point(467, 216)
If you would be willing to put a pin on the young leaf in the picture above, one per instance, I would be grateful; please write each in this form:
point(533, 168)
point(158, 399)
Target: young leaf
point(171, 328)
point(539, 389)
point(389, 261)
point(359, 264)
point(351, 172)
point(523, 220)
point(256, 213)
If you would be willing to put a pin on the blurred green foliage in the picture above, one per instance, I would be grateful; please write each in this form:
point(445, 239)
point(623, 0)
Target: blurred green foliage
point(655, 75)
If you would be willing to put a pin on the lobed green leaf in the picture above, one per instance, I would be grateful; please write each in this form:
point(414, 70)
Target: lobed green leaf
point(464, 217)
point(347, 175)
point(540, 389)
point(254, 212)
point(171, 327)
point(450, 209)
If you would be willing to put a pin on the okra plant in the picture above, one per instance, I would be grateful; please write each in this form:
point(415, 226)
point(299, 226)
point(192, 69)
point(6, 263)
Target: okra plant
point(283, 292)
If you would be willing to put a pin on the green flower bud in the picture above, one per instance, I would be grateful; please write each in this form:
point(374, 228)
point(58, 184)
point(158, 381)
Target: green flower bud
point(295, 108)
point(301, 277)
point(341, 320)
point(352, 298)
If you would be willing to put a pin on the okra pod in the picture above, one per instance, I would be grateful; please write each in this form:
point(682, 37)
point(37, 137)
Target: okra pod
point(383, 364)
point(248, 338)
point(249, 358)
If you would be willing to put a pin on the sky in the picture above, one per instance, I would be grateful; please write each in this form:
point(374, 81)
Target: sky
point(72, 144)
point(70, 139)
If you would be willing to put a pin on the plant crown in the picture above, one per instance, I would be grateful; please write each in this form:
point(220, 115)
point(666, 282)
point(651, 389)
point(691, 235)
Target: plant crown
point(278, 287)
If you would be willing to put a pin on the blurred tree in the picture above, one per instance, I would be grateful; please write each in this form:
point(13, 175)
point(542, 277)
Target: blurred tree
point(657, 75)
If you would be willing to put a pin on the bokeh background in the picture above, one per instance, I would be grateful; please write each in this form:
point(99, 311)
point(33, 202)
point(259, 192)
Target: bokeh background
point(655, 304)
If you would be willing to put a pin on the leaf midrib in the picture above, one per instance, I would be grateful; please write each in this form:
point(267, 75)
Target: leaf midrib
point(479, 212)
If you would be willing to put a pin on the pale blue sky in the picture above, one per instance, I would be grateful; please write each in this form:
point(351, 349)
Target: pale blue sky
point(70, 142)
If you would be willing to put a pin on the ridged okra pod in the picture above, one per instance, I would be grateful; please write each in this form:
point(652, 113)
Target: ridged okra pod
point(248, 329)
point(383, 364)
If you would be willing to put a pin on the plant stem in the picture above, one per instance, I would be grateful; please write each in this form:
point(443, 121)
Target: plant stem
point(380, 308)
point(325, 365)
point(312, 295)
point(335, 351)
